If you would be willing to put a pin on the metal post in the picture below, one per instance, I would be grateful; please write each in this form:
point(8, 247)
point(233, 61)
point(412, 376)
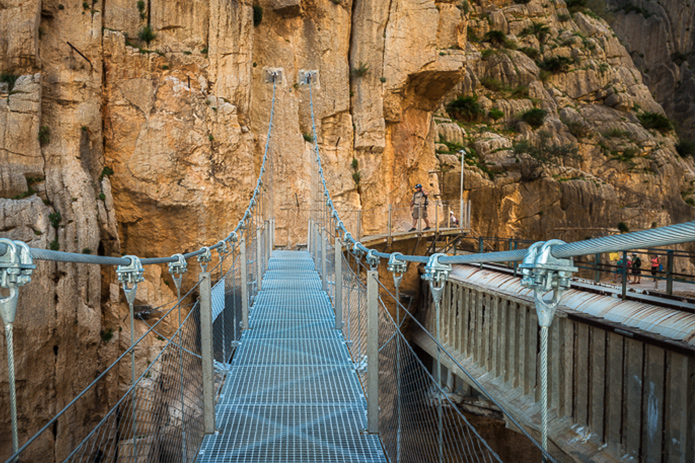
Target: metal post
point(511, 248)
point(259, 259)
point(244, 286)
point(372, 352)
point(206, 351)
point(597, 268)
point(624, 276)
point(390, 235)
point(436, 220)
point(463, 157)
point(324, 261)
point(669, 272)
point(516, 264)
point(338, 302)
point(481, 248)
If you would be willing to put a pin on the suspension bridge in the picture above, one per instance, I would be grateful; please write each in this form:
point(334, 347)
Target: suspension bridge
point(284, 356)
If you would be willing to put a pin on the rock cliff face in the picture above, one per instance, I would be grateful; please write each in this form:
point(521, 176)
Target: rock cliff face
point(138, 128)
point(660, 37)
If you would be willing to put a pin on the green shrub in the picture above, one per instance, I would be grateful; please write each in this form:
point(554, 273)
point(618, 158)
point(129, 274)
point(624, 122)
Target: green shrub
point(308, 137)
point(106, 172)
point(146, 34)
point(563, 17)
point(492, 84)
point(204, 51)
point(356, 177)
point(44, 135)
point(54, 245)
point(361, 70)
point(577, 128)
point(522, 2)
point(555, 64)
point(465, 108)
point(9, 79)
point(496, 38)
point(488, 52)
point(86, 251)
point(534, 117)
point(354, 164)
point(531, 52)
point(575, 5)
point(623, 228)
point(106, 336)
point(686, 148)
point(616, 133)
point(102, 196)
point(539, 30)
point(495, 114)
point(382, 79)
point(55, 218)
point(543, 151)
point(257, 15)
point(519, 92)
point(655, 121)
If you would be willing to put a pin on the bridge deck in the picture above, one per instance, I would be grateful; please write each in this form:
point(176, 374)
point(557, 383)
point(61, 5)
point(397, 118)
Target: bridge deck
point(292, 393)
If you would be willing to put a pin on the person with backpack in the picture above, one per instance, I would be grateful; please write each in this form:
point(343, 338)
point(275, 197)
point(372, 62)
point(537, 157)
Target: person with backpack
point(636, 269)
point(418, 206)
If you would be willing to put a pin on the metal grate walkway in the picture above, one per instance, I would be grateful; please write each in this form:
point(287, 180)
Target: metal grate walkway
point(292, 393)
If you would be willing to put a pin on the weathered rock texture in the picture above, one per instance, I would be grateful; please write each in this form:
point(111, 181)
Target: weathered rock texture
point(660, 36)
point(149, 143)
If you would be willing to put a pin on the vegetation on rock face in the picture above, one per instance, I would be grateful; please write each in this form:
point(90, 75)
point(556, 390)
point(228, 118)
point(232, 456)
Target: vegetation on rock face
point(360, 70)
point(543, 151)
point(534, 117)
point(147, 34)
point(495, 114)
point(44, 135)
point(555, 64)
point(9, 79)
point(257, 15)
point(539, 30)
point(496, 38)
point(655, 121)
point(465, 108)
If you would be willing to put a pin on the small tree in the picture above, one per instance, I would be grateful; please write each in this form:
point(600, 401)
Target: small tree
point(465, 108)
point(534, 117)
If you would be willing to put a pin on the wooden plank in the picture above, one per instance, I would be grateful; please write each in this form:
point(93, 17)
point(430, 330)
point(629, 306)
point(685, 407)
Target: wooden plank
point(677, 405)
point(532, 352)
point(632, 419)
point(472, 333)
point(554, 357)
point(459, 317)
point(521, 347)
point(487, 325)
point(512, 349)
point(614, 398)
point(567, 367)
point(465, 321)
point(494, 336)
point(597, 392)
point(581, 378)
point(653, 403)
point(480, 323)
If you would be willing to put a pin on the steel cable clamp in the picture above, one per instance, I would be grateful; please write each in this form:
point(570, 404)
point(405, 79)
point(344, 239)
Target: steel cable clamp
point(357, 251)
point(233, 238)
point(177, 269)
point(542, 272)
point(16, 267)
point(436, 273)
point(398, 266)
point(372, 259)
point(204, 259)
point(130, 275)
point(222, 249)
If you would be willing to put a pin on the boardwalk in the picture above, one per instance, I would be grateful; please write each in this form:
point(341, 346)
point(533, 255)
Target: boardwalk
point(292, 393)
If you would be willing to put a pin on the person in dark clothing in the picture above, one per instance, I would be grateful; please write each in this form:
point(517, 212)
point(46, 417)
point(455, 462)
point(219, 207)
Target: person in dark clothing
point(636, 269)
point(418, 205)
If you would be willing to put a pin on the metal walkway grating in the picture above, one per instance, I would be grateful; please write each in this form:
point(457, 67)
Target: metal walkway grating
point(292, 394)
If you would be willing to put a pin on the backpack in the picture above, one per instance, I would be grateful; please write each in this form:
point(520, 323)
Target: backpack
point(637, 262)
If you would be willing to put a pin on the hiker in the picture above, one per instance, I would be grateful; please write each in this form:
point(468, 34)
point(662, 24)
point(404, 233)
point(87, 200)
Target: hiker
point(655, 268)
point(418, 205)
point(636, 269)
point(453, 221)
point(619, 271)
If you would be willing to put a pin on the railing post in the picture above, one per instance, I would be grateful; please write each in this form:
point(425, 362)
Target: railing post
point(481, 248)
point(244, 285)
point(324, 260)
point(338, 300)
point(372, 351)
point(259, 259)
point(624, 276)
point(597, 267)
point(669, 272)
point(207, 352)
